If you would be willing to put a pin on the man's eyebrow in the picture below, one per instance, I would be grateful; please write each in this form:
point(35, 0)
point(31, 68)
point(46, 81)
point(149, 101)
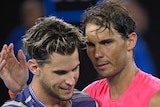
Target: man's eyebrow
point(76, 67)
point(60, 70)
point(43, 61)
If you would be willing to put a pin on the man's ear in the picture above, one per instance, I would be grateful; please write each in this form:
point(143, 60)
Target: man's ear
point(131, 41)
point(33, 66)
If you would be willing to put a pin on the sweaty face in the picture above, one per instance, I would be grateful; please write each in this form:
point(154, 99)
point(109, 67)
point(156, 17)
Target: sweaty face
point(59, 78)
point(107, 50)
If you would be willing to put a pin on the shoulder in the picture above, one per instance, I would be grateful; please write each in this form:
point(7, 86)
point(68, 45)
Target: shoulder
point(13, 103)
point(147, 84)
point(148, 79)
point(19, 100)
point(155, 100)
point(80, 99)
point(79, 96)
point(99, 84)
point(148, 87)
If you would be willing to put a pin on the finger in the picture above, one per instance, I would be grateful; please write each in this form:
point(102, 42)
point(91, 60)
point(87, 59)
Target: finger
point(2, 59)
point(2, 64)
point(10, 49)
point(3, 52)
point(21, 57)
point(10, 52)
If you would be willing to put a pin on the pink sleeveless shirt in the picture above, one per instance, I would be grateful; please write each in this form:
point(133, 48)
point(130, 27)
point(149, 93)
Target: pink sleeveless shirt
point(139, 93)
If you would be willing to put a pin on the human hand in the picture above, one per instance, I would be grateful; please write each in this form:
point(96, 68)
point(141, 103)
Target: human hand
point(14, 72)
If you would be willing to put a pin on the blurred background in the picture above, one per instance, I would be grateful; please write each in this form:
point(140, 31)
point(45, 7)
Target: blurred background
point(17, 16)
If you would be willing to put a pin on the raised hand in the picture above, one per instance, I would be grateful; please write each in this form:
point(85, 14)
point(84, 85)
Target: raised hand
point(13, 71)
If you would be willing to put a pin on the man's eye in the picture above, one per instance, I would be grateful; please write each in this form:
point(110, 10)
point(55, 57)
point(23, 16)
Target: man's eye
point(106, 42)
point(61, 72)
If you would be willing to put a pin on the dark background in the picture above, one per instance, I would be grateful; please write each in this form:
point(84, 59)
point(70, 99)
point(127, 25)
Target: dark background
point(10, 17)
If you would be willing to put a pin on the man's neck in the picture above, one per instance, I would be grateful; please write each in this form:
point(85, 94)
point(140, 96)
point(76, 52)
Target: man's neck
point(120, 83)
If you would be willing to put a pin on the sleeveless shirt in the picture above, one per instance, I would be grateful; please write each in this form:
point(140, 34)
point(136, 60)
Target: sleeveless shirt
point(138, 94)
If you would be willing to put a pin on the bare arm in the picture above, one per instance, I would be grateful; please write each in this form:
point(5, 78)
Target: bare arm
point(155, 101)
point(13, 71)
